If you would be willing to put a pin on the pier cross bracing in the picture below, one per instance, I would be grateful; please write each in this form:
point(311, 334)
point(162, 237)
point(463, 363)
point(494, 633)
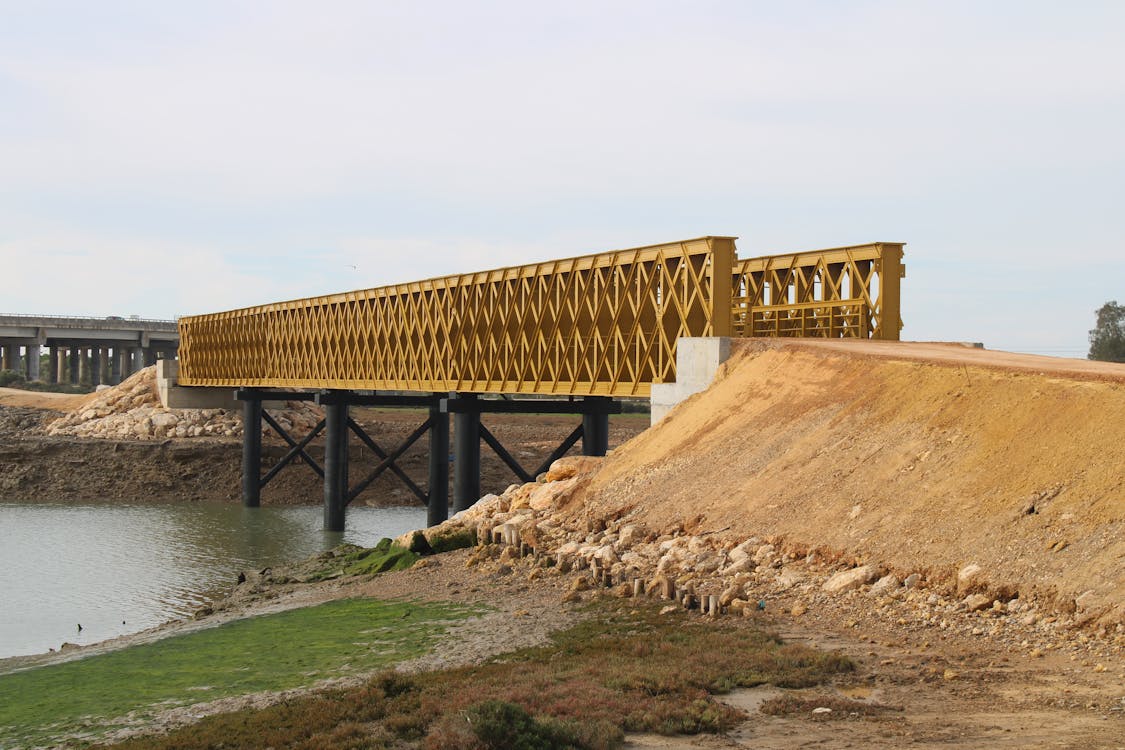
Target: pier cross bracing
point(83, 350)
point(566, 336)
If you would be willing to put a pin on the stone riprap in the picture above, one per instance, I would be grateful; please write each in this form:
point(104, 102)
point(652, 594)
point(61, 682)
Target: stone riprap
point(714, 574)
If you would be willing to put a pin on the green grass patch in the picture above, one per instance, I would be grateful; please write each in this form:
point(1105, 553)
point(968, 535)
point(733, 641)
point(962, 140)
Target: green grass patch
point(627, 669)
point(271, 652)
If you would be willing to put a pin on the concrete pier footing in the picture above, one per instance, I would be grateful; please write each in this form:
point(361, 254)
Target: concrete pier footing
point(697, 361)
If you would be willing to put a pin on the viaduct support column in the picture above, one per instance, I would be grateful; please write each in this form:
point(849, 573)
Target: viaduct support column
point(335, 460)
point(8, 357)
point(437, 504)
point(252, 452)
point(595, 427)
point(96, 366)
point(53, 364)
point(115, 366)
point(150, 356)
point(75, 359)
point(466, 453)
point(33, 361)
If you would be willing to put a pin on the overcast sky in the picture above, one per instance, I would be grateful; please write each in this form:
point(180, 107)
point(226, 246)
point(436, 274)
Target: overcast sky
point(166, 159)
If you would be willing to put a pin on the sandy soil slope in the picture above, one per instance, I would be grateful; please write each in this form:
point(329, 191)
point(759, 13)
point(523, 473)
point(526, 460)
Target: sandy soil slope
point(918, 457)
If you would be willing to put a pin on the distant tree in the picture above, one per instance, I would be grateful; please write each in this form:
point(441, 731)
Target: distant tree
point(1107, 339)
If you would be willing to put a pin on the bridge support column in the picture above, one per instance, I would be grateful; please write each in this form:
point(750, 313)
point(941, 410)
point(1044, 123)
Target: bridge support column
point(33, 362)
point(75, 361)
point(466, 452)
point(437, 502)
point(138, 362)
point(252, 452)
point(53, 364)
point(8, 357)
point(96, 366)
point(149, 356)
point(335, 461)
point(595, 426)
point(115, 366)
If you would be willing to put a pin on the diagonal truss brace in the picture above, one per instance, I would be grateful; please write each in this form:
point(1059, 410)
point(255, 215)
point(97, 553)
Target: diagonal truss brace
point(467, 409)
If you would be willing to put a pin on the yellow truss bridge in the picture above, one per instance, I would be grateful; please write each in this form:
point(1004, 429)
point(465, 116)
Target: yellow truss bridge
point(595, 325)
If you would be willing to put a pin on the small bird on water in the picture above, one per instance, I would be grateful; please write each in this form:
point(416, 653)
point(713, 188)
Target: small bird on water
point(79, 627)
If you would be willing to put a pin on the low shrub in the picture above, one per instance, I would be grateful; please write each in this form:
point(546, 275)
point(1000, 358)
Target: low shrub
point(10, 377)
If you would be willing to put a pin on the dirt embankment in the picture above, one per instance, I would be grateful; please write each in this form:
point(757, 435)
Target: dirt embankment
point(919, 458)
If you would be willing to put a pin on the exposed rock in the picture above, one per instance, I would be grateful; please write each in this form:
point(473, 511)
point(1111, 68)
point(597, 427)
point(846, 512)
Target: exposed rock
point(787, 579)
point(629, 536)
point(546, 496)
point(572, 466)
point(729, 595)
point(969, 577)
point(764, 554)
point(850, 579)
point(977, 602)
point(885, 585)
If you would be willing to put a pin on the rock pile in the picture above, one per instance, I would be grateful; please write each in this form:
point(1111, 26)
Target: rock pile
point(547, 524)
point(132, 411)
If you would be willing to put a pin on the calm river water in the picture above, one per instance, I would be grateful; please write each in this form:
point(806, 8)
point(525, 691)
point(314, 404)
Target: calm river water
point(121, 569)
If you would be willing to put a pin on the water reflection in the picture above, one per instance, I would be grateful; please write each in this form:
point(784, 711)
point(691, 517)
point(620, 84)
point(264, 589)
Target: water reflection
point(121, 569)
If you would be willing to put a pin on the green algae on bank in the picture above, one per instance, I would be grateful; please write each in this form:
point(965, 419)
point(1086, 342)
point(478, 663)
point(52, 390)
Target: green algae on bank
point(279, 651)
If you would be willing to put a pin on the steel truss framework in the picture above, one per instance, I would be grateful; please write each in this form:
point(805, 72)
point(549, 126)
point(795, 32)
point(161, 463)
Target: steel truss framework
point(338, 426)
point(596, 325)
point(845, 292)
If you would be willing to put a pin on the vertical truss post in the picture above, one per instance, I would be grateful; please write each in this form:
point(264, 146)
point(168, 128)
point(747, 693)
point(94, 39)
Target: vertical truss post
point(251, 450)
point(891, 271)
point(335, 460)
point(437, 501)
point(466, 453)
point(720, 278)
point(595, 426)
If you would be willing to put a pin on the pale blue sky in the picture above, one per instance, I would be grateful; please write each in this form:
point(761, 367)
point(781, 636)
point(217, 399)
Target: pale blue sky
point(162, 159)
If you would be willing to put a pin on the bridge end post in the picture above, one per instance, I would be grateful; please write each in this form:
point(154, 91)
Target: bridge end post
point(251, 448)
point(437, 501)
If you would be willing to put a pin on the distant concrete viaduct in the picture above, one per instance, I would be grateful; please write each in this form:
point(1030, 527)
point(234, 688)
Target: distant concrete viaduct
point(93, 351)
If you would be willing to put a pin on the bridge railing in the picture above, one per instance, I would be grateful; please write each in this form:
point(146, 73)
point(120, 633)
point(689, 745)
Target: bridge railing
point(603, 324)
point(844, 292)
